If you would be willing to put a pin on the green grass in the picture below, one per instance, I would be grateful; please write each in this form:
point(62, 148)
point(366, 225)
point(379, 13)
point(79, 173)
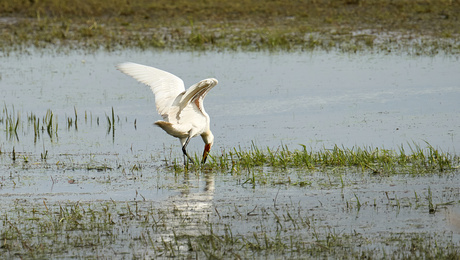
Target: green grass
point(415, 27)
point(372, 160)
point(11, 121)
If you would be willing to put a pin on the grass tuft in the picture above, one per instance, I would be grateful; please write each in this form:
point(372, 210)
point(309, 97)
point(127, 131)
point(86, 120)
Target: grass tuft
point(373, 160)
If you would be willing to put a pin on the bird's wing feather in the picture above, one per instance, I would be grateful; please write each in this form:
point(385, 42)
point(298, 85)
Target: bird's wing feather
point(197, 93)
point(164, 85)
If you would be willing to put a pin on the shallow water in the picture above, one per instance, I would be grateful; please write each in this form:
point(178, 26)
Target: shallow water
point(317, 99)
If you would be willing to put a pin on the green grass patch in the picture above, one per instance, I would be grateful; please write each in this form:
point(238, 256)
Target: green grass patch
point(416, 27)
point(416, 160)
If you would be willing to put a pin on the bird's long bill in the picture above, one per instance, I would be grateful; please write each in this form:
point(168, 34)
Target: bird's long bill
point(207, 148)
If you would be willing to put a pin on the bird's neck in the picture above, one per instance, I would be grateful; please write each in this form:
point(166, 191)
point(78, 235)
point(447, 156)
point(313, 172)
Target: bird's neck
point(207, 136)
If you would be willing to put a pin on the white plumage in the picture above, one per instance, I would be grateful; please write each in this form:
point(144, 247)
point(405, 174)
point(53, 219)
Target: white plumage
point(182, 111)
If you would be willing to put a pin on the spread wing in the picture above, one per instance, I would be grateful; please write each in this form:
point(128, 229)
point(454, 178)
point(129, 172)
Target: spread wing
point(197, 93)
point(164, 85)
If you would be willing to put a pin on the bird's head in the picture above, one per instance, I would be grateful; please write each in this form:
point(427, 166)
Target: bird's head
point(208, 139)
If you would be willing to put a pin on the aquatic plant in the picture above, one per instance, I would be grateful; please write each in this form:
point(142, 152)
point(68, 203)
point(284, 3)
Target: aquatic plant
point(51, 123)
point(373, 160)
point(143, 228)
point(11, 121)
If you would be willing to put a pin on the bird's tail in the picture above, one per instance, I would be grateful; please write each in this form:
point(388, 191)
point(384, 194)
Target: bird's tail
point(172, 129)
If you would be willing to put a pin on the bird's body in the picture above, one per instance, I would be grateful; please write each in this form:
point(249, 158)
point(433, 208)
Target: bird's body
point(183, 112)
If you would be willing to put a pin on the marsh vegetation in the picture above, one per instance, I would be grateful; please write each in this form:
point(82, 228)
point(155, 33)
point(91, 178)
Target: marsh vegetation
point(415, 27)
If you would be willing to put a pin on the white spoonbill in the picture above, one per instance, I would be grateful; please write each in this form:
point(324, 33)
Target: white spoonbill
point(182, 111)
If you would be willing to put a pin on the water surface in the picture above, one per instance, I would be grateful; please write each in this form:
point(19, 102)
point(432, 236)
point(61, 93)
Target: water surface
point(318, 99)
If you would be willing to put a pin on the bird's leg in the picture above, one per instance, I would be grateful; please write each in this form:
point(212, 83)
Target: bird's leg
point(185, 151)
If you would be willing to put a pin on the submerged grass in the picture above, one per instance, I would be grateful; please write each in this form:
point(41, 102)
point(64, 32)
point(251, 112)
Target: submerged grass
point(11, 121)
point(141, 229)
point(416, 27)
point(17, 124)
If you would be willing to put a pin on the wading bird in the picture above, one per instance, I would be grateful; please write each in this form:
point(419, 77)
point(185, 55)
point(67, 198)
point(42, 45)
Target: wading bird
point(182, 111)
